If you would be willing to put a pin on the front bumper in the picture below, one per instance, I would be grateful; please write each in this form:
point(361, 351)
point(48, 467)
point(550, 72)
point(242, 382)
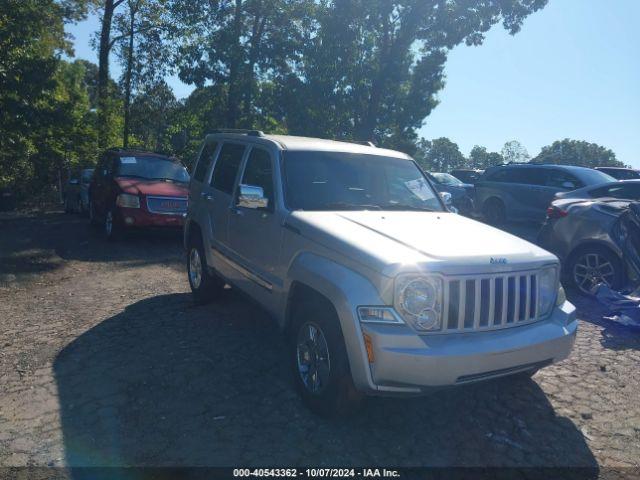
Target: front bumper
point(139, 218)
point(407, 363)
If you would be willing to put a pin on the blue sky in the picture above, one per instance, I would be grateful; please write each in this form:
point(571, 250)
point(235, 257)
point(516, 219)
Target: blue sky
point(572, 71)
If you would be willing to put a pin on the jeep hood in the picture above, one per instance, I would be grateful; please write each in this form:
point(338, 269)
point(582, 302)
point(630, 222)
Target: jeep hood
point(391, 242)
point(138, 186)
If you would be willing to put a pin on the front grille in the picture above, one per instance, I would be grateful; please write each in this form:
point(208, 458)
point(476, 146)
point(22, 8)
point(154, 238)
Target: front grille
point(167, 205)
point(489, 302)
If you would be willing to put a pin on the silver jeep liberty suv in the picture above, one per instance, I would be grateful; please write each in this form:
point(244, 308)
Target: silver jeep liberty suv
point(379, 288)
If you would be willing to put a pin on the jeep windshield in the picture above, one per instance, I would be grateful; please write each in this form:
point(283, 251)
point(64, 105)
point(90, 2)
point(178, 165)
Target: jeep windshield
point(352, 181)
point(152, 168)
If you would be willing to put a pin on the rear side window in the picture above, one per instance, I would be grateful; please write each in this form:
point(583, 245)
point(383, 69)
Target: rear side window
point(226, 169)
point(259, 173)
point(204, 162)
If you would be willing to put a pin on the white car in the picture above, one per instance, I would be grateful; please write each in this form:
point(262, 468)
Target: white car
point(379, 287)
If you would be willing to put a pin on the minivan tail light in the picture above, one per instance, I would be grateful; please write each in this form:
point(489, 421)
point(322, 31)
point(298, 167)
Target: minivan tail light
point(556, 212)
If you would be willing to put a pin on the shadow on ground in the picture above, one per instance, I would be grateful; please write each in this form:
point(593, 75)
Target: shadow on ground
point(166, 383)
point(43, 242)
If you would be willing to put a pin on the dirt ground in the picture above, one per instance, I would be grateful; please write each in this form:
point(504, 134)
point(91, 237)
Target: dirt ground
point(105, 360)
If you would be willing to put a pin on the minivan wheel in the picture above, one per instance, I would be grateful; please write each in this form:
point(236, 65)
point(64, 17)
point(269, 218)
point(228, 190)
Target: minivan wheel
point(591, 266)
point(495, 212)
point(320, 365)
point(204, 285)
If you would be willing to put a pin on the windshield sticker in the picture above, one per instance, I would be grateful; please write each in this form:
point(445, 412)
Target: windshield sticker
point(128, 160)
point(419, 188)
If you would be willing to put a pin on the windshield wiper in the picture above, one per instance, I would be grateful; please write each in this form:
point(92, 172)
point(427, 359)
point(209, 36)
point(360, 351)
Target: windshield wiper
point(352, 206)
point(402, 206)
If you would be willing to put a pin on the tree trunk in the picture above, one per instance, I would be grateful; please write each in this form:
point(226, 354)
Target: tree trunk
point(129, 73)
point(256, 39)
point(233, 97)
point(103, 71)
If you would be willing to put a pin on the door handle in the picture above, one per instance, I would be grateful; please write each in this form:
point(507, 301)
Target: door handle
point(207, 196)
point(236, 211)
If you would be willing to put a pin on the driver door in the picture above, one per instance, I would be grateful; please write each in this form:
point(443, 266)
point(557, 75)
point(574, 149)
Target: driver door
point(255, 234)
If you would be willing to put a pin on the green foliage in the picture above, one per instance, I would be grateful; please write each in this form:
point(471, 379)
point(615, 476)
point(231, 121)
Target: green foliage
point(480, 158)
point(514, 152)
point(439, 155)
point(578, 152)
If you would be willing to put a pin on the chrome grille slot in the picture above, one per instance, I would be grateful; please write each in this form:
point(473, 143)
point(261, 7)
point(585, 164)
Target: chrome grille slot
point(167, 205)
point(489, 302)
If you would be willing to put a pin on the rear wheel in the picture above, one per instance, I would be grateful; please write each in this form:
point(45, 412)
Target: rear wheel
point(591, 266)
point(495, 211)
point(204, 286)
point(319, 359)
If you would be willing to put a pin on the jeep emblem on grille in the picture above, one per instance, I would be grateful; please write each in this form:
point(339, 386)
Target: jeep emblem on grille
point(498, 261)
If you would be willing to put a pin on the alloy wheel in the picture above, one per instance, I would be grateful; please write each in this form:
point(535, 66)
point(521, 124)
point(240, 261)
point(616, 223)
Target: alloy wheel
point(592, 269)
point(313, 361)
point(195, 268)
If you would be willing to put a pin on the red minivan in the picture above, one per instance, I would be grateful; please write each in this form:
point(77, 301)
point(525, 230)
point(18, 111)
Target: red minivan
point(132, 189)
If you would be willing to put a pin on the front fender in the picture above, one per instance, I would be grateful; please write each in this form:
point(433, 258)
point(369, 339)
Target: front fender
point(346, 290)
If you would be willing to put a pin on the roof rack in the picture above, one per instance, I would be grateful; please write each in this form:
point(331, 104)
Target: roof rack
point(239, 131)
point(366, 143)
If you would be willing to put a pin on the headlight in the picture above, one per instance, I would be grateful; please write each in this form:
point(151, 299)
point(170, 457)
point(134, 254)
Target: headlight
point(548, 290)
point(128, 201)
point(419, 300)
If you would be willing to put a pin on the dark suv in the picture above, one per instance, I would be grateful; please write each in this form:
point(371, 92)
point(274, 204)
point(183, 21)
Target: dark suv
point(132, 189)
point(524, 191)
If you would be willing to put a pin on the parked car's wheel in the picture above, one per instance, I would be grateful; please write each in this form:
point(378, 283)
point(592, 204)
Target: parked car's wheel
point(494, 211)
point(112, 228)
point(93, 218)
point(204, 285)
point(319, 358)
point(592, 265)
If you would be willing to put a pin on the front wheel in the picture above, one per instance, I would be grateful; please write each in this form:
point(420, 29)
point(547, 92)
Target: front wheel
point(319, 359)
point(495, 212)
point(112, 228)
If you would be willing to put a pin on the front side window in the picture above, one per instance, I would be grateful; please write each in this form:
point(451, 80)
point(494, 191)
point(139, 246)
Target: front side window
point(563, 180)
point(151, 168)
point(259, 173)
point(227, 166)
point(349, 181)
point(204, 162)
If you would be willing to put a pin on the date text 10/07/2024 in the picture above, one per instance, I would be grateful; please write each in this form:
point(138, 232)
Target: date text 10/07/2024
point(316, 472)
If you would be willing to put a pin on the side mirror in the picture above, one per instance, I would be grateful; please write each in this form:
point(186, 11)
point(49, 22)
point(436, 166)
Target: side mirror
point(568, 185)
point(448, 201)
point(252, 197)
point(74, 181)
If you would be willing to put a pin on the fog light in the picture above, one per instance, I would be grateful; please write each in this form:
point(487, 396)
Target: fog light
point(129, 221)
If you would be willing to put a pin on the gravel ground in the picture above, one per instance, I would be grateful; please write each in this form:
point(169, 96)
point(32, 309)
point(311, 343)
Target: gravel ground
point(105, 360)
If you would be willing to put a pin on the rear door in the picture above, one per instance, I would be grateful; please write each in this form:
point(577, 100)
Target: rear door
point(217, 196)
point(199, 189)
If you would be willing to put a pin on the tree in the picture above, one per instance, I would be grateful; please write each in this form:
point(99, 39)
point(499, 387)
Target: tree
point(439, 155)
point(578, 152)
point(373, 69)
point(237, 43)
point(514, 151)
point(480, 158)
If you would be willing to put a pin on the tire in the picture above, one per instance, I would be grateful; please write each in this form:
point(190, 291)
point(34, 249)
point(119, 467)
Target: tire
point(113, 230)
point(204, 286)
point(495, 212)
point(329, 391)
point(591, 265)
